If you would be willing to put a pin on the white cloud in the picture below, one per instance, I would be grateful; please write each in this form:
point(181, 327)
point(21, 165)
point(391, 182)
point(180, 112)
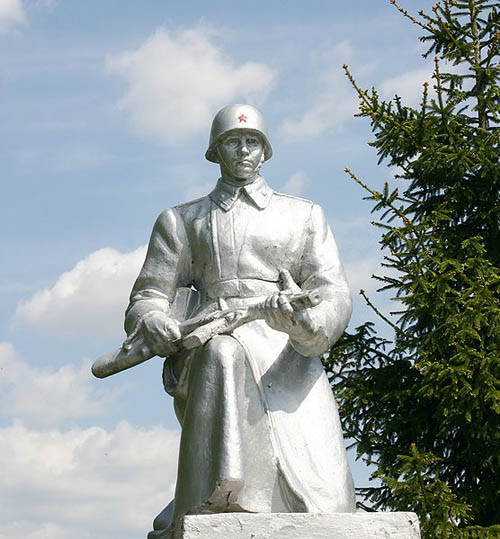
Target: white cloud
point(408, 86)
point(295, 184)
point(79, 483)
point(177, 80)
point(41, 397)
point(85, 483)
point(90, 299)
point(11, 14)
point(47, 4)
point(334, 100)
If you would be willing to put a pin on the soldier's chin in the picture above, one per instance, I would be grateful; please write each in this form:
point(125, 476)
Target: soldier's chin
point(244, 173)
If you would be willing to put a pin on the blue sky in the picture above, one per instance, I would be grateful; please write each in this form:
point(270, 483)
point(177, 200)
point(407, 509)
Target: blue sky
point(105, 108)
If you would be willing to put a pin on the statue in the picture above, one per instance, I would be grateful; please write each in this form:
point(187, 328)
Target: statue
point(241, 291)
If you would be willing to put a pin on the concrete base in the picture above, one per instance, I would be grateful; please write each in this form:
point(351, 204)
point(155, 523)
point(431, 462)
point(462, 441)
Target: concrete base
point(300, 525)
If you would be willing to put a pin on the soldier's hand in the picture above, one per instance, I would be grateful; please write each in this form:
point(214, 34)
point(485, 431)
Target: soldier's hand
point(280, 314)
point(160, 332)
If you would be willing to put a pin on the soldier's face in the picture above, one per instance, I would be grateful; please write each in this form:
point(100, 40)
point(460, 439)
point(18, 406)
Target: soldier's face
point(241, 154)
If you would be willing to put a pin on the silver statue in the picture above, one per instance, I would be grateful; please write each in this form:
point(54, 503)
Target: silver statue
point(241, 291)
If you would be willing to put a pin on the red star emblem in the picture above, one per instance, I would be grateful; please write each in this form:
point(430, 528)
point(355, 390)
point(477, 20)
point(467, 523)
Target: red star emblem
point(242, 118)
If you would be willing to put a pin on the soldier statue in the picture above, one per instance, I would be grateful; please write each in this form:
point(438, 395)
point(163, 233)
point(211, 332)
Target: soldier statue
point(260, 426)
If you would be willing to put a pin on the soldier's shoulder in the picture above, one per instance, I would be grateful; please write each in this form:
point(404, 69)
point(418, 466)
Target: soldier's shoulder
point(193, 209)
point(302, 208)
point(293, 199)
point(181, 210)
point(191, 203)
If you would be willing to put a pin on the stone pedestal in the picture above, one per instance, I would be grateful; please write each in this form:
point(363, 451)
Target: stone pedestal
point(300, 526)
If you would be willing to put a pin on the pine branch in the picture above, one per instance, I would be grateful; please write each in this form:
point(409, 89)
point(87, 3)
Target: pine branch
point(408, 16)
point(361, 93)
point(435, 384)
point(479, 86)
point(413, 241)
point(378, 313)
point(438, 87)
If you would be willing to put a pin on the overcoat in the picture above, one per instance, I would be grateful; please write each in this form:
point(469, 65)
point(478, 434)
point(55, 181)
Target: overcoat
point(260, 426)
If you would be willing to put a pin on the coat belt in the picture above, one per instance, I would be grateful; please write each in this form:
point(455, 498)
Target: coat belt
point(240, 288)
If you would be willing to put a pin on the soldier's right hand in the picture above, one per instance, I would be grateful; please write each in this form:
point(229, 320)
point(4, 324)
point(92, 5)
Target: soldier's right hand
point(160, 332)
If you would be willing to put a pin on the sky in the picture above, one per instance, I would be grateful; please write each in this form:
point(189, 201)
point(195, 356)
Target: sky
point(105, 110)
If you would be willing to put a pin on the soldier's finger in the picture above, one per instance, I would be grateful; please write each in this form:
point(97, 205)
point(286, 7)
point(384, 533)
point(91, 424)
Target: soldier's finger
point(287, 282)
point(149, 340)
point(153, 325)
point(306, 321)
point(285, 305)
point(173, 331)
point(153, 344)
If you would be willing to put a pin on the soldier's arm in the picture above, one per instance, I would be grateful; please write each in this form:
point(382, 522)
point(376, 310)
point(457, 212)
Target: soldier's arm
point(167, 267)
point(321, 270)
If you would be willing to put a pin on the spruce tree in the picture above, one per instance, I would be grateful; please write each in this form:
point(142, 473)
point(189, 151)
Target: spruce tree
point(421, 399)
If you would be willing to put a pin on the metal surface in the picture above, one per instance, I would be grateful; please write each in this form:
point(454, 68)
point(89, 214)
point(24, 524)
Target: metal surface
point(236, 118)
point(260, 427)
point(195, 332)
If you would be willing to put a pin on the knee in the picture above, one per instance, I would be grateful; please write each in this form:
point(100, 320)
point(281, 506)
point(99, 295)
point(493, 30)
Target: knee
point(224, 350)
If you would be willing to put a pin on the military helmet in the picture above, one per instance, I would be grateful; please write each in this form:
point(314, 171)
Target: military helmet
point(233, 118)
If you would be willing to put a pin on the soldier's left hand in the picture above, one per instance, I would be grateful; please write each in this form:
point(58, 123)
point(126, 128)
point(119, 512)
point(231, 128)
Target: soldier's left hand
point(280, 314)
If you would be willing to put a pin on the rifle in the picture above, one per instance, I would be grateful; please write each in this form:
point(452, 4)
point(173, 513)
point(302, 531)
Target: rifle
point(195, 332)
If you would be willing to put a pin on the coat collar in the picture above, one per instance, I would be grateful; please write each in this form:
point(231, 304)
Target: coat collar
point(226, 194)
